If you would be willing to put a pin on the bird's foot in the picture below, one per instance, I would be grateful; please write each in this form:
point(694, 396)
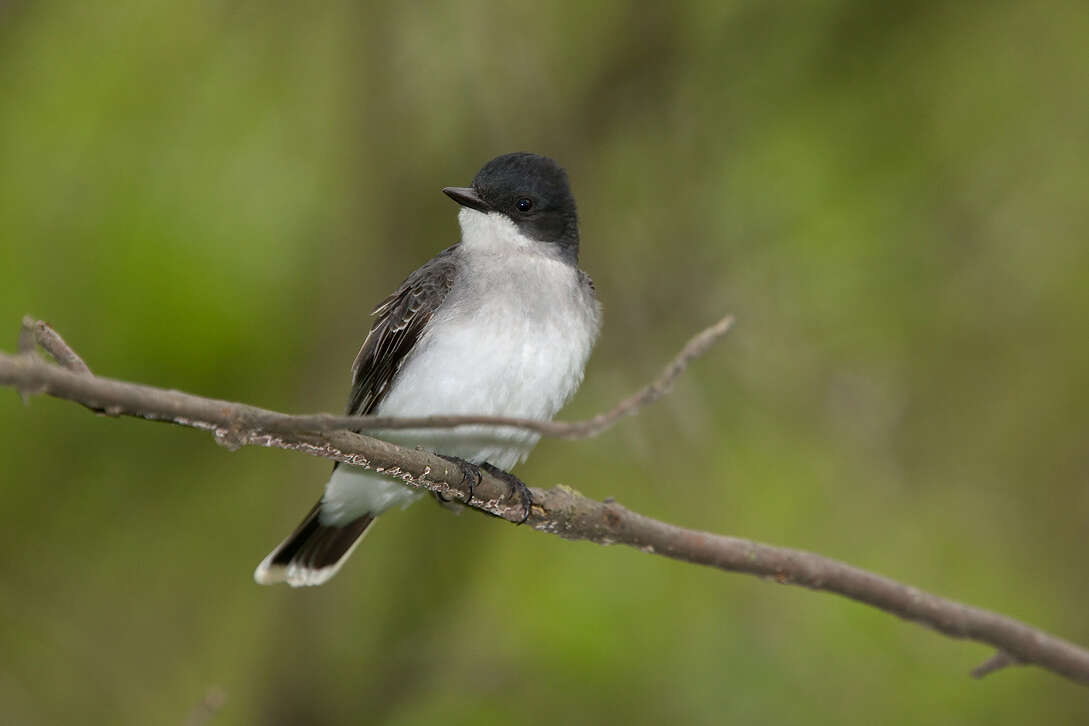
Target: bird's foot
point(470, 477)
point(515, 485)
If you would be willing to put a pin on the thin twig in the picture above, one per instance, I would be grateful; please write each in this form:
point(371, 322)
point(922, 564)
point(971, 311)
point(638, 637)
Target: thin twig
point(996, 662)
point(272, 421)
point(51, 341)
point(586, 428)
point(559, 510)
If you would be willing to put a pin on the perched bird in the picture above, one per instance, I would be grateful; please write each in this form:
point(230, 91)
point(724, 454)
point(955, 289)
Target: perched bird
point(501, 323)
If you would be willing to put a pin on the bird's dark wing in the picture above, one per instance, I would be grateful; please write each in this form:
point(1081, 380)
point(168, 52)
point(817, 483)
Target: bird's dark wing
point(401, 318)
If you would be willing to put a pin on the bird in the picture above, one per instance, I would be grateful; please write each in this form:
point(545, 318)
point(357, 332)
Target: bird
point(501, 323)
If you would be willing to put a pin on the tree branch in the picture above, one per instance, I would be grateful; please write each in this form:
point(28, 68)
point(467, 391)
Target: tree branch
point(558, 510)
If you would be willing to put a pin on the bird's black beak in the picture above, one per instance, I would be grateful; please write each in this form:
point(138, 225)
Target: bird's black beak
point(467, 197)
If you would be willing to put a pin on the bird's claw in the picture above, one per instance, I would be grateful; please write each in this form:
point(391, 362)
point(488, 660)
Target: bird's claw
point(515, 485)
point(470, 476)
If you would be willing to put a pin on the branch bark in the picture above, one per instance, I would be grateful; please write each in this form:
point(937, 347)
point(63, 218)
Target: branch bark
point(559, 510)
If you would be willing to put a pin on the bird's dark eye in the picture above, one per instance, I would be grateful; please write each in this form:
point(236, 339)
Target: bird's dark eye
point(524, 205)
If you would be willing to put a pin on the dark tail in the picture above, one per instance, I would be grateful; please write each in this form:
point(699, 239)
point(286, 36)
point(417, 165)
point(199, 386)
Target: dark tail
point(313, 553)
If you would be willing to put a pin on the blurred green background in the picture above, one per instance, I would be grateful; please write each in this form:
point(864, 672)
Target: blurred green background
point(890, 197)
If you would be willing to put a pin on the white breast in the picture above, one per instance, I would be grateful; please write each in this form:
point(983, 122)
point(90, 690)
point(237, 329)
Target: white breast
point(511, 339)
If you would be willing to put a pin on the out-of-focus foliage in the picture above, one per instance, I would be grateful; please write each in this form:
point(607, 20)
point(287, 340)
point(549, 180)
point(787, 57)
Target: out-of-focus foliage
point(890, 197)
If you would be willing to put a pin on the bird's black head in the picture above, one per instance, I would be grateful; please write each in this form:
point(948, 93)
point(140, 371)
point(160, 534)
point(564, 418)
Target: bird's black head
point(532, 191)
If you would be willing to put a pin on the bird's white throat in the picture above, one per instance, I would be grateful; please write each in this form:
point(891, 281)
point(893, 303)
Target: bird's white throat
point(492, 232)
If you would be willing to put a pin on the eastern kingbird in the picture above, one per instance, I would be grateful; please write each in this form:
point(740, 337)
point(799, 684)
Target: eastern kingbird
point(501, 323)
